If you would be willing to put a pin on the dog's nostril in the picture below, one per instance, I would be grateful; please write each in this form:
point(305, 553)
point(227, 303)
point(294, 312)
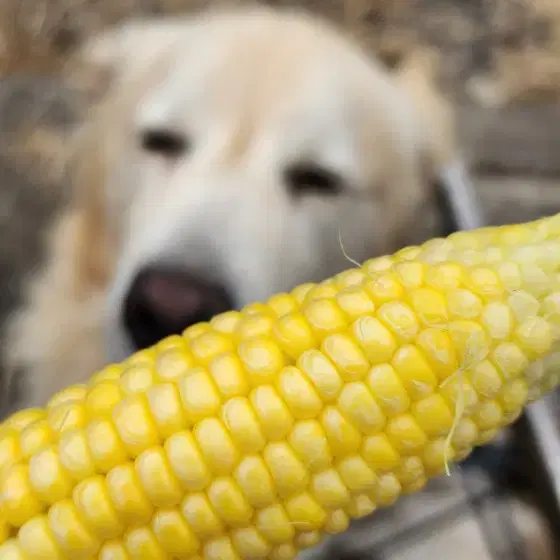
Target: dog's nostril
point(162, 302)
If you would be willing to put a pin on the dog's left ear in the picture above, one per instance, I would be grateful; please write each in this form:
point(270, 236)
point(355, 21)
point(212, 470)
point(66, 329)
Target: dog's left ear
point(444, 164)
point(418, 73)
point(117, 53)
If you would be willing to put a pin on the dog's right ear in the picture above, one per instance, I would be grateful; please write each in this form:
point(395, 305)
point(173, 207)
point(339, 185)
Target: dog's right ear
point(116, 54)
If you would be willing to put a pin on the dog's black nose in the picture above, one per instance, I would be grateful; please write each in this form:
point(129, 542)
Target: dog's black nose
point(162, 302)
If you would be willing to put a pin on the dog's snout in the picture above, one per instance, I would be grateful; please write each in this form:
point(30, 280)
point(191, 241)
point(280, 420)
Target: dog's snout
point(162, 302)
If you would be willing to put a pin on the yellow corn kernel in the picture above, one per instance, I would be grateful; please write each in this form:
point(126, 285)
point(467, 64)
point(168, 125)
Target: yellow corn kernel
point(307, 539)
point(67, 416)
point(377, 265)
point(228, 375)
point(37, 541)
point(104, 444)
point(173, 362)
point(209, 345)
point(405, 434)
point(356, 474)
point(436, 455)
point(509, 359)
point(109, 374)
point(388, 490)
point(17, 498)
point(127, 494)
point(407, 254)
point(95, 507)
point(164, 401)
point(187, 461)
point(226, 322)
point(220, 549)
point(346, 355)
point(135, 425)
point(102, 398)
point(350, 278)
point(142, 544)
point(243, 425)
point(485, 379)
point(294, 335)
point(273, 522)
point(75, 393)
point(430, 306)
point(384, 287)
point(414, 371)
point(433, 415)
point(463, 304)
point(388, 389)
point(256, 481)
point(199, 396)
point(400, 318)
point(250, 543)
point(253, 326)
point(342, 436)
point(438, 349)
point(444, 276)
point(325, 317)
point(305, 513)
point(262, 360)
point(10, 448)
point(201, 517)
point(378, 451)
point(137, 378)
point(300, 292)
point(360, 506)
point(71, 536)
point(324, 290)
point(337, 522)
point(157, 478)
point(35, 437)
point(329, 490)
point(355, 302)
point(484, 282)
point(47, 476)
point(377, 341)
point(113, 550)
point(359, 406)
point(273, 415)
point(411, 274)
point(309, 441)
point(174, 534)
point(322, 373)
point(299, 394)
point(251, 435)
point(282, 304)
point(288, 472)
point(229, 502)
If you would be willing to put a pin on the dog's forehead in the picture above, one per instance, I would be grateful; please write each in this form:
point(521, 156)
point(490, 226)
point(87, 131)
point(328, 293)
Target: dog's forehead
point(279, 66)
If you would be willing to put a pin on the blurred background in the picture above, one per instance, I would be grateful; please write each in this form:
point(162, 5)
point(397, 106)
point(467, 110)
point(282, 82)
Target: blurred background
point(498, 61)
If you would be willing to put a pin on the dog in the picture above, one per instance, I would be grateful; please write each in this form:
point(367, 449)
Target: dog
point(227, 157)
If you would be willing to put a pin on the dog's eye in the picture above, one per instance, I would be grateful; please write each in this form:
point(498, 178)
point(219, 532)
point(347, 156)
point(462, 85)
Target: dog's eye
point(164, 143)
point(304, 179)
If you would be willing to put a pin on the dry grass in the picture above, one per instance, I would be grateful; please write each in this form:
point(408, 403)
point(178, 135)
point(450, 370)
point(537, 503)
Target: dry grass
point(525, 51)
point(39, 35)
point(521, 37)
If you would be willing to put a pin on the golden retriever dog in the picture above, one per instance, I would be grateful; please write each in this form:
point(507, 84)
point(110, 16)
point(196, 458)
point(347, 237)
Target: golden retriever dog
point(227, 158)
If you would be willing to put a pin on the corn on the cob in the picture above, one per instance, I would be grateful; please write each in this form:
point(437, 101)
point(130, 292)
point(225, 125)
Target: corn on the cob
point(252, 435)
